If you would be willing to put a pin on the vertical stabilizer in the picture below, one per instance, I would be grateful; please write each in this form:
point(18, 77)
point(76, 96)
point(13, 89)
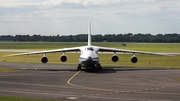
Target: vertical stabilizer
point(89, 33)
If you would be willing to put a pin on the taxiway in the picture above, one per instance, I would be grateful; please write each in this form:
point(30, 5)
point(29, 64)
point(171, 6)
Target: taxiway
point(63, 82)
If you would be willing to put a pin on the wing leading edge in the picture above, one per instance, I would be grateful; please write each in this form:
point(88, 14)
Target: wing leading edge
point(105, 49)
point(75, 49)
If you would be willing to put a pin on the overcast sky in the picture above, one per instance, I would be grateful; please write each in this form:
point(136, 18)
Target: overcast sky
point(70, 17)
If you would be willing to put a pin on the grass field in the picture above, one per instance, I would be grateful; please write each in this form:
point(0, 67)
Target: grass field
point(105, 58)
point(9, 98)
point(8, 70)
point(155, 47)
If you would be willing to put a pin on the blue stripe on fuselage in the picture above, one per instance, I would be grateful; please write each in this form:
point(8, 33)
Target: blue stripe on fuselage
point(97, 58)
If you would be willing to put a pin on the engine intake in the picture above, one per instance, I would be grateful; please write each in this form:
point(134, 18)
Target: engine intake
point(134, 59)
point(44, 59)
point(63, 58)
point(115, 58)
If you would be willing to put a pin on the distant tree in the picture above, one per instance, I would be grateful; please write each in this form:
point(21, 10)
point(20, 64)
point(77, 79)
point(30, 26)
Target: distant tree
point(129, 37)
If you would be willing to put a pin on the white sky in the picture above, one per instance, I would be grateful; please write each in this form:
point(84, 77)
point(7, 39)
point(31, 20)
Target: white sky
point(70, 17)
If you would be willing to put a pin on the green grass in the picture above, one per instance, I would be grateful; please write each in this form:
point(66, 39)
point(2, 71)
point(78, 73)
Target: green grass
point(8, 70)
point(38, 45)
point(10, 98)
point(177, 79)
point(155, 47)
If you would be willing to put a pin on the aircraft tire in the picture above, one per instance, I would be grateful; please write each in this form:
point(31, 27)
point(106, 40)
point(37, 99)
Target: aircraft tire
point(99, 68)
point(78, 68)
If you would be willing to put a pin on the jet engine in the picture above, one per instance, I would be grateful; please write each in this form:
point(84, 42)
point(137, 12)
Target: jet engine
point(63, 58)
point(44, 59)
point(134, 59)
point(115, 58)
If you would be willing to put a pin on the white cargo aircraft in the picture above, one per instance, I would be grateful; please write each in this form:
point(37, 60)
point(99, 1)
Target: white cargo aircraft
point(89, 58)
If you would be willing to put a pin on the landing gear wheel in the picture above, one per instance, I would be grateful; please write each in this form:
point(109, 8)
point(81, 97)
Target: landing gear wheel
point(99, 67)
point(78, 67)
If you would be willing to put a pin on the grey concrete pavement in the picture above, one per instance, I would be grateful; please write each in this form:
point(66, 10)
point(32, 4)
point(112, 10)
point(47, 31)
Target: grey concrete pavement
point(63, 82)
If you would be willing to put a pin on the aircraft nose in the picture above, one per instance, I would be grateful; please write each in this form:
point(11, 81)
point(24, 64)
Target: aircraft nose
point(89, 59)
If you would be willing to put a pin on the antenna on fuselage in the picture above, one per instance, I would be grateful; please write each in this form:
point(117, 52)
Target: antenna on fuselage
point(89, 33)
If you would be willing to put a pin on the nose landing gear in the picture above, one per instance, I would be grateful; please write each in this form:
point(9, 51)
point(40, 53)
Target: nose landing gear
point(97, 67)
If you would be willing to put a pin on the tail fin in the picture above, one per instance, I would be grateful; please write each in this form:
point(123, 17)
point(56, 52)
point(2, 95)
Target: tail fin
point(89, 33)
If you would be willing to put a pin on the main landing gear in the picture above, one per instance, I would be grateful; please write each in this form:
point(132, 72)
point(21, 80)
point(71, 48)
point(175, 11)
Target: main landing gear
point(79, 67)
point(99, 67)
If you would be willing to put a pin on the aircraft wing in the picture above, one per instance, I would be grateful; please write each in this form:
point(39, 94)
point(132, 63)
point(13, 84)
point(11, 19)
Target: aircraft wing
point(75, 49)
point(105, 49)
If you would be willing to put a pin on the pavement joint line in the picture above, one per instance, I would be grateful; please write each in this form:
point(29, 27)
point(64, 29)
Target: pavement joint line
point(38, 85)
point(104, 93)
point(31, 92)
point(91, 94)
point(97, 94)
point(117, 92)
point(84, 95)
point(116, 98)
point(151, 88)
point(110, 92)
point(126, 91)
point(159, 93)
point(122, 91)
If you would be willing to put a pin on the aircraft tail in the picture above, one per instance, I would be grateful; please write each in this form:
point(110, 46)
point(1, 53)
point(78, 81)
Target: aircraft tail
point(89, 33)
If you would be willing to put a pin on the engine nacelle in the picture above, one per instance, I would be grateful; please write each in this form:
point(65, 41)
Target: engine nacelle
point(115, 58)
point(44, 59)
point(63, 58)
point(134, 59)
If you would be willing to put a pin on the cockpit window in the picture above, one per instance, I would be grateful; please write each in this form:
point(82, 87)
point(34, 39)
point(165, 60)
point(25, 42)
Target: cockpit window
point(90, 48)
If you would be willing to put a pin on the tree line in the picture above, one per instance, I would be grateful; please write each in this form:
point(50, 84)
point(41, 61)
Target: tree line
point(129, 37)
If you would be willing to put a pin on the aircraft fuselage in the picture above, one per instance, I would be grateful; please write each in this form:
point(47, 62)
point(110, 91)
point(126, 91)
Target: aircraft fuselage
point(89, 58)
